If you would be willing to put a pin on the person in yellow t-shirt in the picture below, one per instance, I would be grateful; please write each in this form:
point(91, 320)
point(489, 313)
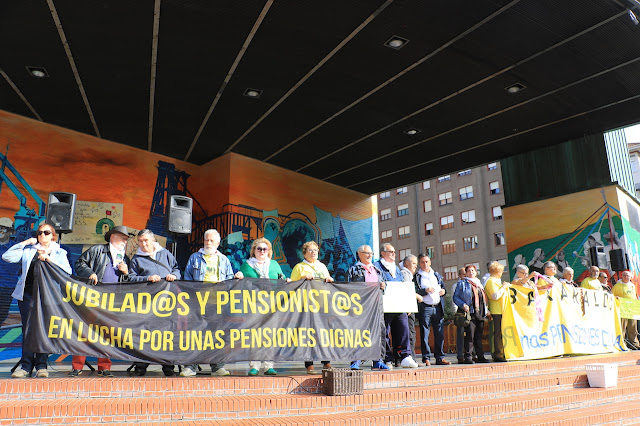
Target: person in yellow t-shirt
point(592, 281)
point(496, 291)
point(626, 289)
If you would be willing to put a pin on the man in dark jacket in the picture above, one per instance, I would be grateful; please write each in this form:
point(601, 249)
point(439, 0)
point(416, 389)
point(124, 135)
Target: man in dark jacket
point(105, 263)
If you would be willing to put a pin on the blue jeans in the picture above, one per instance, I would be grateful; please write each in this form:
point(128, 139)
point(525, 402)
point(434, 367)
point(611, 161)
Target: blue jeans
point(29, 360)
point(431, 316)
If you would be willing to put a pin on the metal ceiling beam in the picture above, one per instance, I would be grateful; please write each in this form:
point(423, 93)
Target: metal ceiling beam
point(19, 93)
point(154, 63)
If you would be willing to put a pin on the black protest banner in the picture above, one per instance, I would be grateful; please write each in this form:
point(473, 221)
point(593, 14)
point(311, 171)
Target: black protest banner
point(185, 322)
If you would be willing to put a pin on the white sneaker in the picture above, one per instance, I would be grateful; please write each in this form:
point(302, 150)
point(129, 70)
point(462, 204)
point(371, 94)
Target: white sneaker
point(390, 365)
point(220, 372)
point(20, 374)
point(42, 373)
point(408, 362)
point(187, 372)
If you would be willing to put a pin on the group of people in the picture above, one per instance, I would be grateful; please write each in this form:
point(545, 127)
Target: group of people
point(479, 299)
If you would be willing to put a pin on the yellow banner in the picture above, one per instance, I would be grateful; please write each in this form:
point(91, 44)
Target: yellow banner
point(569, 321)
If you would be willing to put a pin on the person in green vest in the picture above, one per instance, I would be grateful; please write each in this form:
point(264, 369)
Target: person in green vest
point(261, 265)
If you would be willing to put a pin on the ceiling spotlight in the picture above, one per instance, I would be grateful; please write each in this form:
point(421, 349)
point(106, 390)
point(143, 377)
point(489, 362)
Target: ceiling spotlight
point(37, 72)
point(633, 17)
point(411, 131)
point(396, 42)
point(514, 88)
point(252, 93)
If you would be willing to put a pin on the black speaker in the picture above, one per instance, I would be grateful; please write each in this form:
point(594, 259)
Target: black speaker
point(179, 216)
point(598, 257)
point(619, 260)
point(61, 210)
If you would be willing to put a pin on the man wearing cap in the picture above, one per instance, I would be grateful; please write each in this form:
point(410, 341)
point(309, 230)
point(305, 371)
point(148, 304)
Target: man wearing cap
point(105, 263)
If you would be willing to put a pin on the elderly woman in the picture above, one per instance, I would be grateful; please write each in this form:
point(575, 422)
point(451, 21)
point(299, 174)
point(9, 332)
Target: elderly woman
point(496, 289)
point(261, 265)
point(152, 263)
point(548, 280)
point(567, 277)
point(470, 297)
point(311, 269)
point(43, 248)
point(523, 277)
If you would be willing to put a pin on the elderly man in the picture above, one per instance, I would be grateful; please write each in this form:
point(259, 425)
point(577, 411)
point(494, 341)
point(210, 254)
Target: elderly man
point(408, 268)
point(604, 281)
point(152, 263)
point(430, 285)
point(567, 276)
point(626, 289)
point(210, 266)
point(396, 323)
point(591, 281)
point(462, 272)
point(106, 263)
point(365, 271)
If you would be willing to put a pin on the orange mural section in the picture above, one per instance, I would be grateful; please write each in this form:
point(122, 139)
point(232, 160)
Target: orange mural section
point(52, 158)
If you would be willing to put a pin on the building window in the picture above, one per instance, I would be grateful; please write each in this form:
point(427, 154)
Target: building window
point(449, 247)
point(404, 232)
point(466, 193)
point(385, 236)
point(428, 228)
point(494, 188)
point(492, 166)
point(427, 206)
point(403, 210)
point(426, 184)
point(500, 240)
point(464, 172)
point(385, 214)
point(404, 253)
point(444, 178)
point(445, 198)
point(450, 272)
point(503, 262)
point(402, 190)
point(430, 251)
point(470, 243)
point(468, 217)
point(497, 213)
point(475, 265)
point(446, 222)
point(384, 195)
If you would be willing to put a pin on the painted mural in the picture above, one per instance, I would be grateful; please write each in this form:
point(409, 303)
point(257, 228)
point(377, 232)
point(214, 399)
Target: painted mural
point(123, 185)
point(563, 229)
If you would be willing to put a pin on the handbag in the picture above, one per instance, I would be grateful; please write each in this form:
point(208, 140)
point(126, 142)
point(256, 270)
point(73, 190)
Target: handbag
point(462, 319)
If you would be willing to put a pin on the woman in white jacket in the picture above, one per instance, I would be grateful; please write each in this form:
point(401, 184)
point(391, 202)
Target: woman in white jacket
point(43, 248)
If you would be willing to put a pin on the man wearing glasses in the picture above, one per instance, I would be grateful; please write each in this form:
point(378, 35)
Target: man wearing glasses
point(396, 323)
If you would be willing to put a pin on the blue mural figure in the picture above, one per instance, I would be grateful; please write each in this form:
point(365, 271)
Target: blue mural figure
point(294, 234)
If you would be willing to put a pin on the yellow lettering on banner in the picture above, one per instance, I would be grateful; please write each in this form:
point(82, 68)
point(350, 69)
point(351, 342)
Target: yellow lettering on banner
point(222, 298)
point(256, 338)
point(183, 340)
point(184, 308)
point(144, 303)
point(81, 338)
point(315, 306)
point(53, 326)
point(249, 300)
point(145, 337)
point(112, 301)
point(325, 299)
point(295, 300)
point(93, 298)
point(234, 336)
point(235, 301)
point(355, 298)
point(220, 339)
point(196, 340)
point(367, 338)
point(67, 292)
point(325, 340)
point(202, 300)
point(208, 341)
point(264, 305)
point(128, 303)
point(127, 342)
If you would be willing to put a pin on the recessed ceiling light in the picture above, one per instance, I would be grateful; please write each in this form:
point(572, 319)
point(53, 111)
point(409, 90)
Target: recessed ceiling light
point(252, 93)
point(514, 88)
point(38, 72)
point(396, 42)
point(412, 131)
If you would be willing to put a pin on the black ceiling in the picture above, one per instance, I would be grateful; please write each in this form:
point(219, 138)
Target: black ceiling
point(169, 76)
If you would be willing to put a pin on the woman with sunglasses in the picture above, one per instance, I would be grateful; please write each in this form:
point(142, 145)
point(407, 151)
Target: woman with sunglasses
point(260, 265)
point(45, 249)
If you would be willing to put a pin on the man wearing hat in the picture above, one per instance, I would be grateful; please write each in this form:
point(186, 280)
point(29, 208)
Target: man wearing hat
point(106, 263)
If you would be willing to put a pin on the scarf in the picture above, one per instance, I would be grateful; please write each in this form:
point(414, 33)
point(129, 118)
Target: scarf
point(116, 255)
point(536, 298)
point(477, 290)
point(156, 248)
point(52, 246)
point(262, 268)
point(391, 267)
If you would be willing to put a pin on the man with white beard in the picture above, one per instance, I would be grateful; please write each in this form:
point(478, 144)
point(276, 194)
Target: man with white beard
point(106, 263)
point(210, 266)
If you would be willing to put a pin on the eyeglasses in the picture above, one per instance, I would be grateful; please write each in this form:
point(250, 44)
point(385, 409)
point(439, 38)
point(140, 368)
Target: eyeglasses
point(47, 232)
point(367, 253)
point(312, 250)
point(262, 248)
point(390, 251)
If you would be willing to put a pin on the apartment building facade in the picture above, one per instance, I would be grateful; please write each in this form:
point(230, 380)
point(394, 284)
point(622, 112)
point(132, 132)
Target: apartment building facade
point(456, 219)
